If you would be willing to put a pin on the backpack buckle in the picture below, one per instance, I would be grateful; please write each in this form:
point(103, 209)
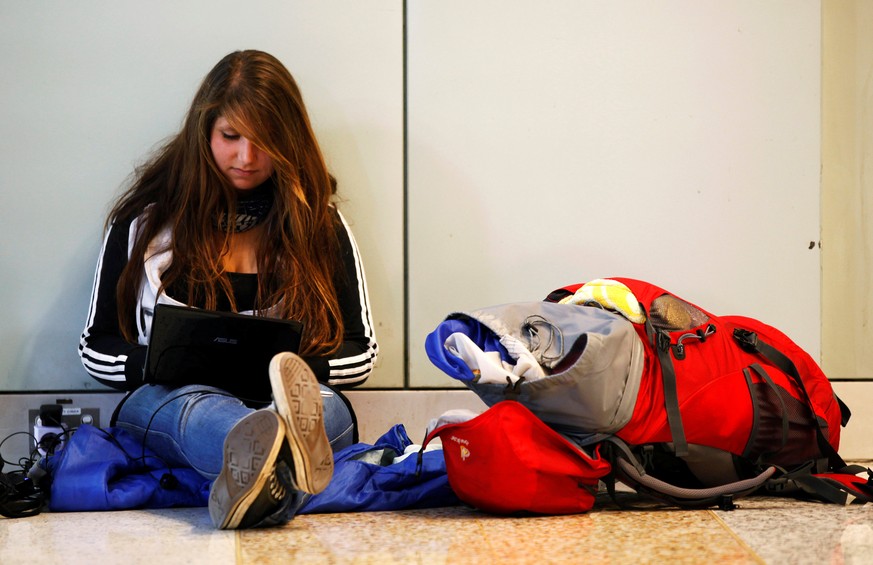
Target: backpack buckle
point(747, 340)
point(726, 503)
point(664, 341)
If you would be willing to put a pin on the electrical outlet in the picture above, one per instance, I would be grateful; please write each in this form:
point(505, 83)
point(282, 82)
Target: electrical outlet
point(71, 418)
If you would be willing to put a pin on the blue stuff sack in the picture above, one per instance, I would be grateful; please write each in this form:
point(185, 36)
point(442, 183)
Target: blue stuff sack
point(370, 478)
point(103, 469)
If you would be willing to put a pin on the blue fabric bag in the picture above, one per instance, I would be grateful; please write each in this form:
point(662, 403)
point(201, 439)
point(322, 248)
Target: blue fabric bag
point(370, 478)
point(103, 469)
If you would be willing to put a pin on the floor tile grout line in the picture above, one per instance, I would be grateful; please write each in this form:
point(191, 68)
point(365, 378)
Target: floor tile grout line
point(737, 537)
point(237, 546)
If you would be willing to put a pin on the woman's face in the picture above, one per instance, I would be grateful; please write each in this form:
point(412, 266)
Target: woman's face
point(242, 163)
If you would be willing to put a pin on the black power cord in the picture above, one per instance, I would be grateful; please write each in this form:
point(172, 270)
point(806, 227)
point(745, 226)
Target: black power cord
point(20, 495)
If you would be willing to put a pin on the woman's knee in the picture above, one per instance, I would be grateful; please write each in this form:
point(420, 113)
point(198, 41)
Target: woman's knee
point(339, 419)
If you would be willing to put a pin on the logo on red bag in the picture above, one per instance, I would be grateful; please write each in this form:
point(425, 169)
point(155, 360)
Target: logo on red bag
point(462, 446)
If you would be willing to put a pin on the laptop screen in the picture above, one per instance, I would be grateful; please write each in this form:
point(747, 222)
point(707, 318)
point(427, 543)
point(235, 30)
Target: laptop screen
point(222, 349)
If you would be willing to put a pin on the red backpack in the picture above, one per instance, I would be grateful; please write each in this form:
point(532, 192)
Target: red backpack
point(706, 409)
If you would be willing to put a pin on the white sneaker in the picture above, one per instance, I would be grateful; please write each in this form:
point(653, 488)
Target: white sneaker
point(297, 397)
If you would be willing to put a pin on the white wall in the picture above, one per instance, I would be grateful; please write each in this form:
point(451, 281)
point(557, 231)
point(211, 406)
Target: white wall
point(548, 143)
point(556, 142)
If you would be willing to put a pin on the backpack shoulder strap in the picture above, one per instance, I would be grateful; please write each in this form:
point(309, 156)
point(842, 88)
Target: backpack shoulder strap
point(628, 469)
point(840, 487)
point(751, 342)
point(671, 393)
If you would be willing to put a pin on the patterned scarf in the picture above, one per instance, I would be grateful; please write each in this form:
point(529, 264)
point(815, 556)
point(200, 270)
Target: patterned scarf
point(252, 207)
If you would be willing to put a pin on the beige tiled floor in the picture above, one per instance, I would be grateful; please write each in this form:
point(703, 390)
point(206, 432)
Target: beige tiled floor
point(762, 530)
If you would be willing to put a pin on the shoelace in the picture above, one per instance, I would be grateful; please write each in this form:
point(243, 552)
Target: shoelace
point(277, 487)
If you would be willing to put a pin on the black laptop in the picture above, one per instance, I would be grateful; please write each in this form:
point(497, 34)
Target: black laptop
point(221, 349)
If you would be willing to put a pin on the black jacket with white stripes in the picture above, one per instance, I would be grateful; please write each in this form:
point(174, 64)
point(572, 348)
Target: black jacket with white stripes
point(113, 361)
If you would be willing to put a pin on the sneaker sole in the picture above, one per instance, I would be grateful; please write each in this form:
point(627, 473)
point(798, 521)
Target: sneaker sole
point(250, 452)
point(298, 400)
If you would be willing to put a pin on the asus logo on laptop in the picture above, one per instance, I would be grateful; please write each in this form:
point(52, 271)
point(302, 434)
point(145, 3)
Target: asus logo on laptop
point(227, 340)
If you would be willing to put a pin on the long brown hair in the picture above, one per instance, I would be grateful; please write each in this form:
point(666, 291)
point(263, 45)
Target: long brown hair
point(180, 188)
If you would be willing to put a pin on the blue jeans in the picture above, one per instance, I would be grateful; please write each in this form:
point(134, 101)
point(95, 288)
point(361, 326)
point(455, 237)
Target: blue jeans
point(186, 426)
